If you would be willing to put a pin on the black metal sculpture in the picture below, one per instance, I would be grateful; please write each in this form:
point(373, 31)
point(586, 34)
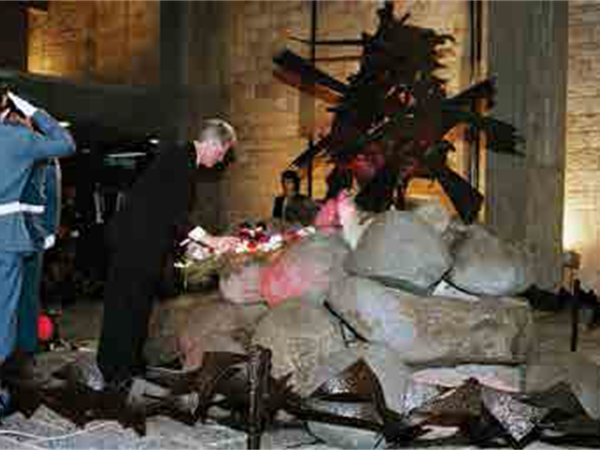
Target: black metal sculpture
point(392, 117)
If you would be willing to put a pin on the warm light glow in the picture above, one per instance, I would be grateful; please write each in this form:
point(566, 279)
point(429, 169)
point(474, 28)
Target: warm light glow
point(573, 231)
point(64, 124)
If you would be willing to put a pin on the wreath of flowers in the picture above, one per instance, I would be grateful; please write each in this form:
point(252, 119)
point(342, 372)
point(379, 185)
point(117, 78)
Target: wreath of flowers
point(258, 243)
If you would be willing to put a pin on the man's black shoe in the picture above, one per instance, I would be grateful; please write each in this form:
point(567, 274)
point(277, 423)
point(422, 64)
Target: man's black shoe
point(82, 371)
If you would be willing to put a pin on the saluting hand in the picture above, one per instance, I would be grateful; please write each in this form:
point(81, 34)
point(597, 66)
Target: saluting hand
point(22, 105)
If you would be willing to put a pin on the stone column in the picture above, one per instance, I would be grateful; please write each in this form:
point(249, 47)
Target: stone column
point(192, 58)
point(525, 196)
point(207, 66)
point(191, 61)
point(174, 67)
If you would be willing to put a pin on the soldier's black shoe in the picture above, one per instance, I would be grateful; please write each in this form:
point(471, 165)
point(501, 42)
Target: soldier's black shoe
point(6, 404)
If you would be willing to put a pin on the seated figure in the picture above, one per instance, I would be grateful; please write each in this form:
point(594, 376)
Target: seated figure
point(291, 207)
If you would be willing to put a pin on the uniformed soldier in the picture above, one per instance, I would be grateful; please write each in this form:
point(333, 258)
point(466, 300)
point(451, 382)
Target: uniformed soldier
point(20, 149)
point(44, 189)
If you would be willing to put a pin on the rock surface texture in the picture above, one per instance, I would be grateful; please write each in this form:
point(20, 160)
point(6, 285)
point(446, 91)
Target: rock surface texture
point(301, 336)
point(486, 265)
point(400, 247)
point(434, 330)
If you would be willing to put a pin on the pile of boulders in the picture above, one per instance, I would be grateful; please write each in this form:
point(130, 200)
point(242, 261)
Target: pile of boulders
point(426, 300)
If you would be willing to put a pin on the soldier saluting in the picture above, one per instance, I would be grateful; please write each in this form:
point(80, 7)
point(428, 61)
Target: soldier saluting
point(20, 149)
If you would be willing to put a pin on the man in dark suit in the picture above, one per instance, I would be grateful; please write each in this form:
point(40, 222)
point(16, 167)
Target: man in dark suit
point(140, 237)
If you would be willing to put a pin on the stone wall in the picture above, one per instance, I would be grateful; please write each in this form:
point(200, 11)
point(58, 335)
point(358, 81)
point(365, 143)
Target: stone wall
point(107, 42)
point(271, 116)
point(13, 37)
point(230, 45)
point(229, 50)
point(582, 184)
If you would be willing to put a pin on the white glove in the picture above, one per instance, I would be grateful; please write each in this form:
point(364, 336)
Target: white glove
point(196, 251)
point(220, 244)
point(49, 241)
point(22, 105)
point(198, 234)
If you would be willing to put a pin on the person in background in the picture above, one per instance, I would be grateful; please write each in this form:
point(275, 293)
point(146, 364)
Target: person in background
point(20, 149)
point(291, 207)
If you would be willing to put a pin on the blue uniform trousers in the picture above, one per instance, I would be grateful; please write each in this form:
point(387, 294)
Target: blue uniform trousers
point(29, 304)
point(11, 281)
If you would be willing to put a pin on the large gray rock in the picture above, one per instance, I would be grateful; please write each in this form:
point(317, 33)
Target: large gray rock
point(484, 264)
point(305, 270)
point(580, 373)
point(301, 336)
point(401, 392)
point(454, 233)
point(243, 285)
point(584, 378)
point(433, 212)
point(445, 289)
point(399, 246)
point(428, 330)
point(166, 322)
point(220, 326)
point(188, 326)
point(540, 376)
point(386, 364)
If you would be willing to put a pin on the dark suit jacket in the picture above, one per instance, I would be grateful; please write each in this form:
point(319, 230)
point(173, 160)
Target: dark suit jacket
point(142, 232)
point(278, 207)
point(299, 209)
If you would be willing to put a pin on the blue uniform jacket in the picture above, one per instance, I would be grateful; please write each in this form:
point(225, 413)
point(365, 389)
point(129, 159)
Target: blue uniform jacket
point(20, 149)
point(43, 189)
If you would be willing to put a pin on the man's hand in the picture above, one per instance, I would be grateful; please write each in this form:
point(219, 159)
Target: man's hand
point(22, 105)
point(16, 118)
point(222, 244)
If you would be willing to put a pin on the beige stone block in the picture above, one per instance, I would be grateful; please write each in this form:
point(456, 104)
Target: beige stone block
point(581, 122)
point(251, 8)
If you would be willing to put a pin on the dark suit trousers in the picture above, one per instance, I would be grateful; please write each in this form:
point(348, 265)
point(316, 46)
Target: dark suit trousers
point(141, 236)
point(128, 301)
